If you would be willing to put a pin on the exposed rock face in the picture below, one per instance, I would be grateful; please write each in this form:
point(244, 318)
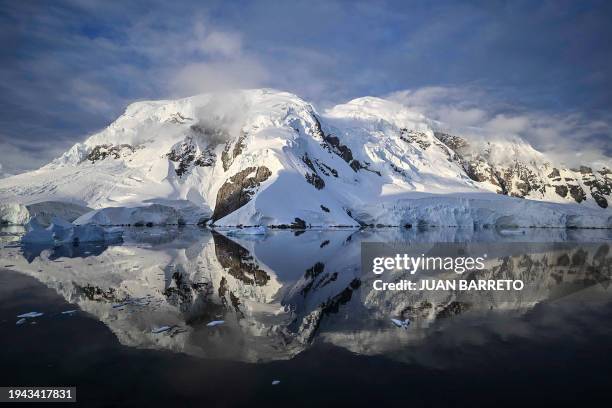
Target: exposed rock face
point(411, 136)
point(333, 145)
point(178, 118)
point(455, 143)
point(228, 157)
point(325, 169)
point(561, 190)
point(481, 171)
point(578, 193)
point(313, 178)
point(519, 180)
point(101, 152)
point(522, 179)
point(187, 154)
point(238, 190)
point(600, 184)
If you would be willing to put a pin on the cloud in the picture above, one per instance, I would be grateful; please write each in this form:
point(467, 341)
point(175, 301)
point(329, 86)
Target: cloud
point(220, 64)
point(69, 68)
point(507, 125)
point(77, 66)
point(17, 156)
point(227, 44)
point(2, 173)
point(217, 76)
point(570, 138)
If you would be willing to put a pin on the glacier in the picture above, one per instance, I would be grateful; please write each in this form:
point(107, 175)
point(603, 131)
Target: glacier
point(61, 232)
point(264, 157)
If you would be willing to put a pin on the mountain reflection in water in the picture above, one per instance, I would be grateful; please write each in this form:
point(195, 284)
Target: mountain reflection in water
point(280, 294)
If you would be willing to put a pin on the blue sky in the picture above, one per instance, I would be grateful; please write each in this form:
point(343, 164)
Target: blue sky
point(541, 70)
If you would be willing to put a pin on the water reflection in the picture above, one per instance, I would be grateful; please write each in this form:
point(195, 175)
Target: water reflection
point(280, 293)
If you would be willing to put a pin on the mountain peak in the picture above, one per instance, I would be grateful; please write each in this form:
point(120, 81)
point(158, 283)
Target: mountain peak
point(265, 157)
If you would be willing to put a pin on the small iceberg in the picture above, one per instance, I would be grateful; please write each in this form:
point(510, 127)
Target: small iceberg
point(215, 323)
point(20, 321)
point(161, 329)
point(30, 315)
point(69, 312)
point(260, 230)
point(401, 323)
point(275, 382)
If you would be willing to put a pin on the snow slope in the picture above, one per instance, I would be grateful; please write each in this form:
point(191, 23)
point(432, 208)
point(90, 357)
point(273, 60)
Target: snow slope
point(264, 157)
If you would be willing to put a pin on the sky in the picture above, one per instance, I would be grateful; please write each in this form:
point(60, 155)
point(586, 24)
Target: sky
point(540, 70)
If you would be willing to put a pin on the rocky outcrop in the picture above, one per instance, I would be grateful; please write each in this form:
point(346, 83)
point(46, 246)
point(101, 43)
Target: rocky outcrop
point(187, 154)
point(519, 180)
point(178, 118)
point(238, 190)
point(227, 156)
point(418, 138)
point(523, 179)
point(333, 145)
point(101, 152)
point(455, 143)
point(313, 178)
point(599, 183)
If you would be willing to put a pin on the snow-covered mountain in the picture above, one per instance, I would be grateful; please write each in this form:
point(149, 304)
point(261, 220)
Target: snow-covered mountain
point(263, 157)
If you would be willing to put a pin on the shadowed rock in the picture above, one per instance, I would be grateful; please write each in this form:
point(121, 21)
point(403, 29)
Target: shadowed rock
point(239, 263)
point(238, 190)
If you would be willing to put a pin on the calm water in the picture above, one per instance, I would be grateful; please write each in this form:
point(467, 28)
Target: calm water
point(298, 308)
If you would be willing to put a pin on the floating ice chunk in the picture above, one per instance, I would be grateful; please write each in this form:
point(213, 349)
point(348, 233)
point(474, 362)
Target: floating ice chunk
point(401, 323)
point(261, 230)
point(69, 312)
point(30, 315)
point(275, 382)
point(20, 321)
point(215, 323)
point(160, 329)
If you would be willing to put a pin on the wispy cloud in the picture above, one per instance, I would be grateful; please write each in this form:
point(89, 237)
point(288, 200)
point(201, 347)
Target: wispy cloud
point(569, 138)
point(2, 173)
point(69, 67)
